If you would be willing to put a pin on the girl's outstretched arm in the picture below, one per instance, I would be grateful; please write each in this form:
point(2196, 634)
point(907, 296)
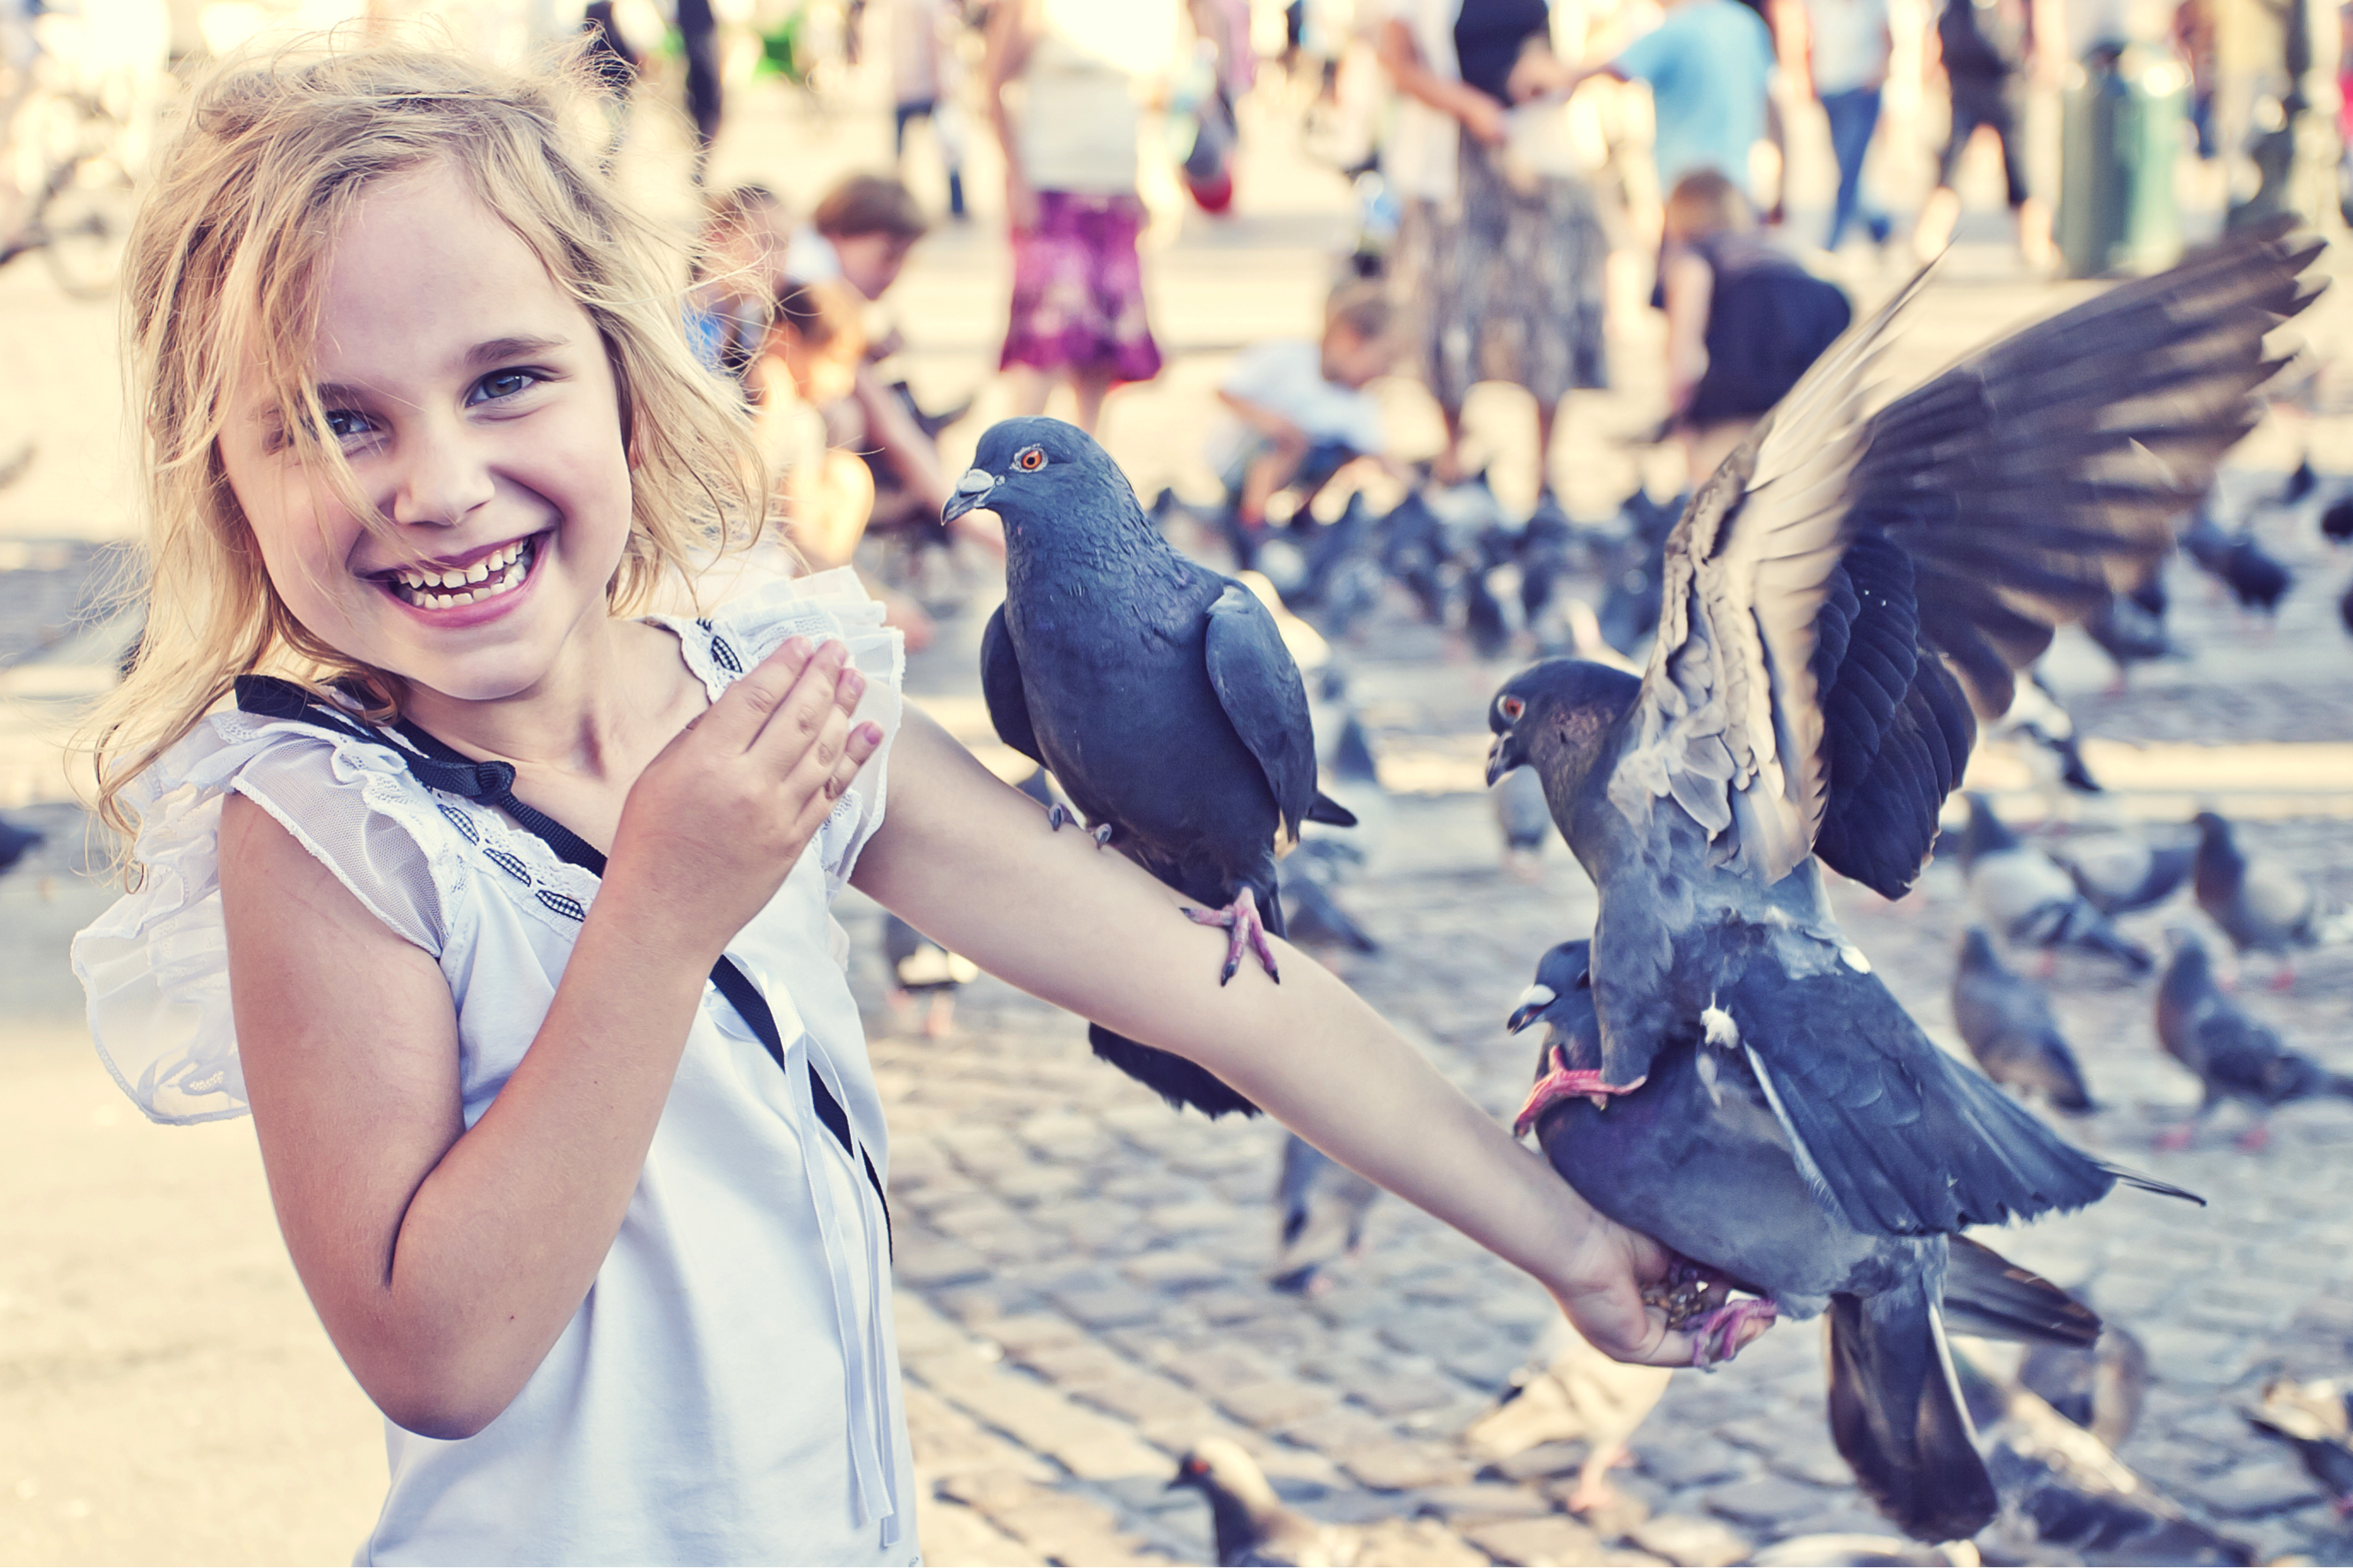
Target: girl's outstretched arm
point(972, 864)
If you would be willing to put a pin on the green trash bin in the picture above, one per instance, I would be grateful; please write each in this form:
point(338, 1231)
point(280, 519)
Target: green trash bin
point(2125, 114)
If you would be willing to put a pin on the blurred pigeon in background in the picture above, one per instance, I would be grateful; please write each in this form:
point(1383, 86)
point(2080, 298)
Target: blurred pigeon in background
point(15, 843)
point(2065, 1496)
point(2124, 871)
point(2129, 627)
point(2260, 905)
point(2317, 1420)
point(1250, 1526)
point(2025, 894)
point(1523, 819)
point(922, 969)
point(1842, 602)
point(2235, 1056)
point(1306, 879)
point(1319, 1206)
point(2006, 1021)
point(1570, 1392)
point(2337, 520)
point(2101, 1389)
point(1160, 693)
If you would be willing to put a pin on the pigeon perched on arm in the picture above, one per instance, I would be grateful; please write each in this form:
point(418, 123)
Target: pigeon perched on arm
point(2235, 1056)
point(2260, 905)
point(2317, 1420)
point(2033, 901)
point(2007, 1023)
point(1843, 600)
point(1159, 694)
point(1698, 1156)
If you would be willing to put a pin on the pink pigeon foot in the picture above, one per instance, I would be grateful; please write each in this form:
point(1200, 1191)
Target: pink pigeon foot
point(1717, 1335)
point(2173, 1140)
point(2284, 978)
point(2049, 965)
point(2255, 1139)
point(1593, 1491)
point(1241, 918)
point(1560, 1084)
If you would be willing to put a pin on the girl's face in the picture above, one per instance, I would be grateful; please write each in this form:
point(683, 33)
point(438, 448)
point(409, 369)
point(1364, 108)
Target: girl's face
point(478, 410)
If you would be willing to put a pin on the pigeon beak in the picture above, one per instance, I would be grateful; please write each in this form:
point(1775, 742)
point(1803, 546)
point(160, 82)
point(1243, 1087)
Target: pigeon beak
point(971, 491)
point(1533, 1002)
point(1503, 756)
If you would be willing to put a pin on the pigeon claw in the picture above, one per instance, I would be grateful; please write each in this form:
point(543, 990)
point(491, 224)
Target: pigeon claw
point(1565, 1083)
point(1103, 837)
point(1241, 918)
point(1716, 1338)
point(1057, 816)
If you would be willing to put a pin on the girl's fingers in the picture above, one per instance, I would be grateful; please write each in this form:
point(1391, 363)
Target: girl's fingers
point(863, 742)
point(736, 719)
point(793, 723)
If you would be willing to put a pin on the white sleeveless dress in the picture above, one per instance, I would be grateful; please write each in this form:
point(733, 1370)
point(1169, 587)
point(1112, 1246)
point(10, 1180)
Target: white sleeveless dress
point(729, 1390)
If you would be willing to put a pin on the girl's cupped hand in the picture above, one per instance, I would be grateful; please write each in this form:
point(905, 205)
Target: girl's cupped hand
point(720, 817)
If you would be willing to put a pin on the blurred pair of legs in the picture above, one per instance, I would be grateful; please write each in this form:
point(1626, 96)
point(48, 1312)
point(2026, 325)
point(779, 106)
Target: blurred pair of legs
point(1994, 105)
point(1853, 116)
point(1089, 384)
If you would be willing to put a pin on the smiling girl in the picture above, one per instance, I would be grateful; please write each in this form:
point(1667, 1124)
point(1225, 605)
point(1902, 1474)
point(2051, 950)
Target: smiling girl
point(503, 906)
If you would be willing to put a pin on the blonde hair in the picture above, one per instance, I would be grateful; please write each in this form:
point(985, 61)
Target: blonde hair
point(225, 271)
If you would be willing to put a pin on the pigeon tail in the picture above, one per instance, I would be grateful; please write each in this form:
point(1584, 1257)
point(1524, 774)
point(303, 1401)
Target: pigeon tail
point(1178, 1081)
point(1988, 1295)
point(1896, 1415)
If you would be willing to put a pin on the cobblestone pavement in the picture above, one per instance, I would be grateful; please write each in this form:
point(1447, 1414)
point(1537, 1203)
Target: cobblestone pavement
point(1082, 1272)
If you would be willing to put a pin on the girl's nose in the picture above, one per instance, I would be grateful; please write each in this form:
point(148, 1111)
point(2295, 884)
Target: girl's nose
point(443, 477)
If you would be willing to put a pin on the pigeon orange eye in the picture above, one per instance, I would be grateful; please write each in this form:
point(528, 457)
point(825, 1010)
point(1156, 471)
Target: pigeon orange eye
point(1029, 459)
point(1513, 708)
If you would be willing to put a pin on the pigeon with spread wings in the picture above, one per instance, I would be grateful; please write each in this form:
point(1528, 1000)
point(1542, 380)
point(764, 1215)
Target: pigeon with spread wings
point(1843, 599)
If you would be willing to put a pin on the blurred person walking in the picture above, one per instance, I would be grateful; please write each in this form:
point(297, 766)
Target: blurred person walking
point(1082, 69)
point(1709, 66)
point(698, 35)
point(922, 81)
point(1991, 50)
point(1846, 68)
point(1503, 264)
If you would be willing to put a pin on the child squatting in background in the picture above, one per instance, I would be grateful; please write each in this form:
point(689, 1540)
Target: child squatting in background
point(1743, 320)
point(1301, 412)
point(501, 908)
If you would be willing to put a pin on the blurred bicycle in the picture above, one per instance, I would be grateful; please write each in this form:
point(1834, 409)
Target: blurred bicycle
point(85, 81)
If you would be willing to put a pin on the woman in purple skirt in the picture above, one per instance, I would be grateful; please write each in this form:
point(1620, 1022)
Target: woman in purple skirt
point(1069, 156)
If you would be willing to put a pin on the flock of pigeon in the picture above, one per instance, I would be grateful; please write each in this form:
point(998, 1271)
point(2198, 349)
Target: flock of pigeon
point(1830, 619)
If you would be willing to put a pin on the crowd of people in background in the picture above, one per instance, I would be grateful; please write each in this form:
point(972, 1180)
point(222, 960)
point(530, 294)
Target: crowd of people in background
point(1494, 207)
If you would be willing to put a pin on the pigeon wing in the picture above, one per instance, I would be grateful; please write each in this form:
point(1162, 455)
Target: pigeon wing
point(1000, 686)
point(1259, 686)
point(1844, 590)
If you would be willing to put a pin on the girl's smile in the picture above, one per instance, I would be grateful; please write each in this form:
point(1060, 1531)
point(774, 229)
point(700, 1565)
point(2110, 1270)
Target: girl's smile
point(477, 407)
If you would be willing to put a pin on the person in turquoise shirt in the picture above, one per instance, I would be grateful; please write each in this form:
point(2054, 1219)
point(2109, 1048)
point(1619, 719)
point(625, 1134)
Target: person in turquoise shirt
point(1708, 64)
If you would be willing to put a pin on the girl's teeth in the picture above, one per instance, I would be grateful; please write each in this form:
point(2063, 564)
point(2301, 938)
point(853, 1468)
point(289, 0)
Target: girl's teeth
point(497, 573)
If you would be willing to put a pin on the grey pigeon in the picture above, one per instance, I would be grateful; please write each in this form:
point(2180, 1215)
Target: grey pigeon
point(2122, 872)
point(1841, 602)
point(1523, 819)
point(2317, 1420)
point(1249, 1522)
point(1159, 692)
point(1305, 879)
point(1319, 1206)
point(2066, 1497)
point(2337, 520)
point(2129, 627)
point(2235, 1056)
point(2261, 905)
point(2006, 1021)
point(2101, 1389)
point(2031, 899)
point(1698, 1154)
point(1251, 1526)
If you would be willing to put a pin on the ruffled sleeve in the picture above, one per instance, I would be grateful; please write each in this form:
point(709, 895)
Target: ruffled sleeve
point(154, 967)
point(748, 628)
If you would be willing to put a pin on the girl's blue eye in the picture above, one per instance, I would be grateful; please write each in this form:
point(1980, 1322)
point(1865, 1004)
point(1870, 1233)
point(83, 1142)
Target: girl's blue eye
point(505, 384)
point(343, 424)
